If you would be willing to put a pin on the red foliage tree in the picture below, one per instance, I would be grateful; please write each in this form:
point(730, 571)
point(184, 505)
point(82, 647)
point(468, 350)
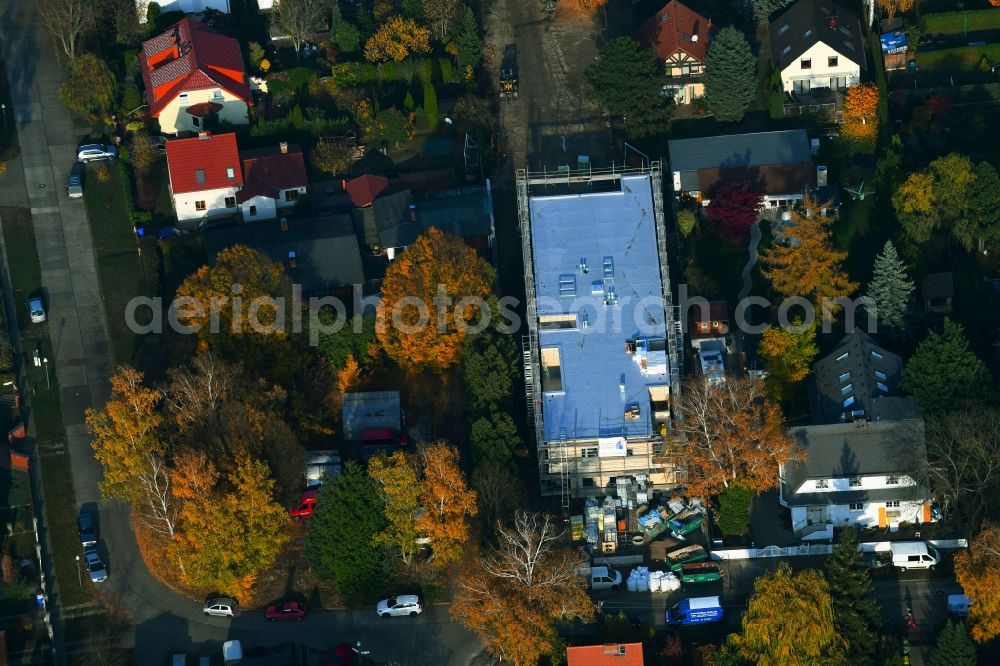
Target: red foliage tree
point(732, 211)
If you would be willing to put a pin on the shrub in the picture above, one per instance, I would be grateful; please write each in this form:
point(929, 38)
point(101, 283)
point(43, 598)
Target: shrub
point(686, 221)
point(425, 71)
point(734, 510)
point(447, 70)
point(295, 118)
point(431, 112)
point(390, 71)
point(101, 174)
point(408, 102)
point(256, 53)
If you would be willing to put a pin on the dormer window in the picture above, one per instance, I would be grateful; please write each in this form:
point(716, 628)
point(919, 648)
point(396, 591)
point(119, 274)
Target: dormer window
point(855, 482)
point(784, 28)
point(807, 33)
point(217, 93)
point(230, 173)
point(183, 97)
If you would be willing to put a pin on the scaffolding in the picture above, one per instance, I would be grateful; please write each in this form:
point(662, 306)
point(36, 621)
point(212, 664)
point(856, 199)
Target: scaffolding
point(563, 458)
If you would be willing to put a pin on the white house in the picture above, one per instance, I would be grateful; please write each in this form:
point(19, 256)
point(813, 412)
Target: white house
point(817, 44)
point(861, 474)
point(205, 175)
point(195, 78)
point(274, 179)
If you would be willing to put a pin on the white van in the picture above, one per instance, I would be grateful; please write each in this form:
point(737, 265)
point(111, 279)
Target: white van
point(603, 578)
point(913, 555)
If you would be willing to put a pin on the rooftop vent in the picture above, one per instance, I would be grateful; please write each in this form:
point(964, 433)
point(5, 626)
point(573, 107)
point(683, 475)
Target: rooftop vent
point(694, 38)
point(583, 265)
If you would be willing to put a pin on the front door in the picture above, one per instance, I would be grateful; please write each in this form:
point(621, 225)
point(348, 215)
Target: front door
point(816, 515)
point(882, 521)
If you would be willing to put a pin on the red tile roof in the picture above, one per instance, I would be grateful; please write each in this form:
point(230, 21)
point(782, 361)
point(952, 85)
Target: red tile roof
point(363, 190)
point(673, 28)
point(268, 171)
point(615, 654)
point(213, 155)
point(191, 56)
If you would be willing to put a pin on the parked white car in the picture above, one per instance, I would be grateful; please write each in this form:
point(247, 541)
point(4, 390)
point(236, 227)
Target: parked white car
point(404, 604)
point(36, 309)
point(221, 607)
point(96, 151)
point(603, 578)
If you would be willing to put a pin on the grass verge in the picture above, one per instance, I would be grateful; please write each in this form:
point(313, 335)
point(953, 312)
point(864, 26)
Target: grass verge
point(958, 23)
point(123, 271)
point(57, 479)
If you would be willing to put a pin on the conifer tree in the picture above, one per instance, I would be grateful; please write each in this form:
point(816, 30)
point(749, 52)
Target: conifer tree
point(954, 647)
point(730, 75)
point(944, 372)
point(855, 616)
point(890, 288)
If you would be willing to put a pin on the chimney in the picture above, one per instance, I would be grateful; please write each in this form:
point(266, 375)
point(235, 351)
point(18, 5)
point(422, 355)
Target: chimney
point(832, 22)
point(291, 258)
point(283, 147)
point(284, 227)
point(413, 212)
point(821, 180)
point(204, 134)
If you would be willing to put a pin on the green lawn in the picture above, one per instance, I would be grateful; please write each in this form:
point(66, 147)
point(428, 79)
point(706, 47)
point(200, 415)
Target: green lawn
point(60, 498)
point(957, 59)
point(949, 23)
point(123, 272)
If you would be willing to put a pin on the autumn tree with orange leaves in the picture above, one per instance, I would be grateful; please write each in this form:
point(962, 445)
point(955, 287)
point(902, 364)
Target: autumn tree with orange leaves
point(892, 7)
point(420, 324)
point(129, 447)
point(807, 264)
point(860, 125)
point(447, 501)
point(396, 40)
point(735, 436)
point(978, 572)
point(515, 599)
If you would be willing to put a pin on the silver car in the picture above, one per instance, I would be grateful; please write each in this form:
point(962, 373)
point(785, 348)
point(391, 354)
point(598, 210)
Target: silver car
point(95, 567)
point(404, 604)
point(221, 607)
point(37, 310)
point(96, 151)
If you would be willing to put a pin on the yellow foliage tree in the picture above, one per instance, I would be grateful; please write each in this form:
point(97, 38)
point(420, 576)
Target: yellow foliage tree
point(396, 40)
point(808, 265)
point(398, 485)
point(978, 572)
point(861, 115)
point(447, 501)
point(788, 355)
point(789, 621)
point(420, 324)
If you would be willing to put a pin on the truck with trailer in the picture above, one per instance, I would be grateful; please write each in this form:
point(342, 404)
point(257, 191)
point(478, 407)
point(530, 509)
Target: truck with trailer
point(685, 555)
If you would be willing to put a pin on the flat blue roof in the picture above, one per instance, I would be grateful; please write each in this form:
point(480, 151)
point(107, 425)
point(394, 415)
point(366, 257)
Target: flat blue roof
point(595, 257)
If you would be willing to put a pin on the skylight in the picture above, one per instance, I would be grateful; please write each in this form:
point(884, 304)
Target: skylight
point(784, 28)
point(807, 32)
point(199, 176)
point(785, 50)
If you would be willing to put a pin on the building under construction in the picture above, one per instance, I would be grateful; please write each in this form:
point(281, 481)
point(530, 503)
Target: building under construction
point(603, 350)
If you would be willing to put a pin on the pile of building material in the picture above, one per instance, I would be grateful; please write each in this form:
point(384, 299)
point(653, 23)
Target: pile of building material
point(641, 579)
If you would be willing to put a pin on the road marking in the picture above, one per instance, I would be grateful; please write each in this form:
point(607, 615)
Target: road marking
point(44, 209)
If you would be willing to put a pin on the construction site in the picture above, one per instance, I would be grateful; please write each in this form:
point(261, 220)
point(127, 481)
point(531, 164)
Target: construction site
point(603, 351)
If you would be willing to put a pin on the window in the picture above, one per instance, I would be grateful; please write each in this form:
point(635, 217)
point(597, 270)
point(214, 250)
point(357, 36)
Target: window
point(230, 173)
point(838, 83)
point(848, 401)
point(854, 481)
point(892, 480)
point(291, 195)
point(881, 387)
point(253, 210)
point(199, 176)
point(629, 452)
point(880, 375)
point(552, 371)
point(807, 33)
point(199, 205)
point(844, 377)
point(217, 93)
point(842, 356)
point(801, 87)
point(857, 506)
point(195, 121)
point(786, 50)
point(588, 483)
point(822, 483)
point(588, 453)
point(832, 61)
point(806, 63)
point(784, 28)
point(892, 504)
point(183, 97)
point(849, 44)
point(230, 202)
point(877, 356)
point(847, 389)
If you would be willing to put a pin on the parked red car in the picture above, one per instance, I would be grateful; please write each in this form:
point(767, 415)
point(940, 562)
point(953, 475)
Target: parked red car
point(286, 610)
point(306, 506)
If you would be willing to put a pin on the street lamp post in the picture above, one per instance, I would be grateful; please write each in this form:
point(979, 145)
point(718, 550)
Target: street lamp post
point(79, 576)
point(45, 362)
point(3, 112)
point(361, 653)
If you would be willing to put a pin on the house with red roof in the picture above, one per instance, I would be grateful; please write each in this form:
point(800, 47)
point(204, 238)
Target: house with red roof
point(609, 654)
point(205, 175)
point(210, 177)
point(679, 36)
point(273, 179)
point(194, 78)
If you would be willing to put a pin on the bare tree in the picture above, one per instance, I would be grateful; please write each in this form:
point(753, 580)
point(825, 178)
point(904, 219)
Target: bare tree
point(963, 454)
point(67, 20)
point(156, 506)
point(194, 394)
point(298, 19)
point(527, 555)
point(441, 13)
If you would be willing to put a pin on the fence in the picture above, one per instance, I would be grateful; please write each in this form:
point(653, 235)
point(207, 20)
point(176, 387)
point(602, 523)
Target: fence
point(820, 549)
